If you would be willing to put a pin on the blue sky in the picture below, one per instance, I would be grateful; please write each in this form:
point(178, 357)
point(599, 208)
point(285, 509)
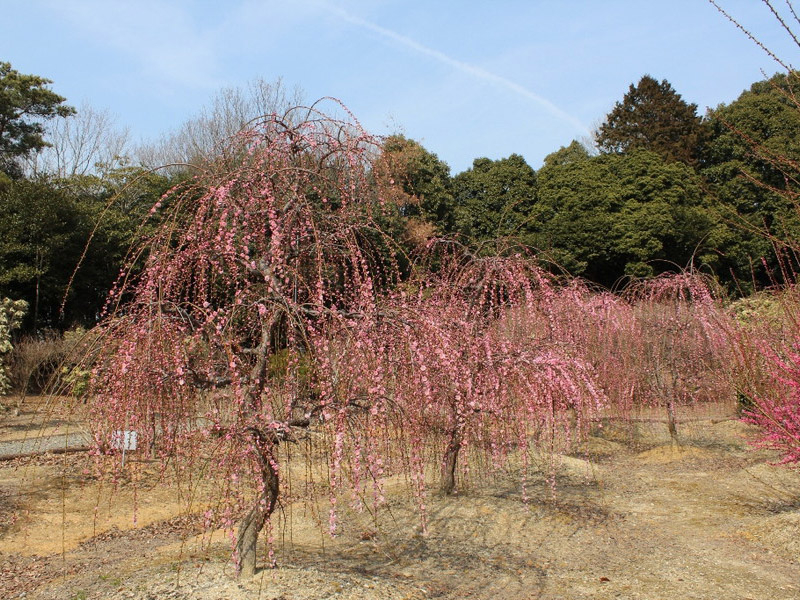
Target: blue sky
point(466, 78)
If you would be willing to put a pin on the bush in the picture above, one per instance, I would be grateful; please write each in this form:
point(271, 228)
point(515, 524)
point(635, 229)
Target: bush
point(34, 360)
point(46, 362)
point(11, 313)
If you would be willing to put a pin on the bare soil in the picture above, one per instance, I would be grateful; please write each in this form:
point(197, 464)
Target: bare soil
point(632, 516)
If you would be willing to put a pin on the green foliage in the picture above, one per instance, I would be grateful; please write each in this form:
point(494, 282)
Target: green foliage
point(567, 155)
point(283, 364)
point(41, 238)
point(48, 227)
point(495, 198)
point(80, 348)
point(622, 214)
point(75, 380)
point(25, 101)
point(423, 179)
point(751, 162)
point(653, 116)
point(11, 313)
point(756, 130)
point(770, 309)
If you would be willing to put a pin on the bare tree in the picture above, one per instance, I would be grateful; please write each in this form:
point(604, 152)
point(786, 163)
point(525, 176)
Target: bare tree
point(85, 144)
point(230, 110)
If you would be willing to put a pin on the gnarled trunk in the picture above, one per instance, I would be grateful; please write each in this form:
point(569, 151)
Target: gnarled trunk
point(254, 521)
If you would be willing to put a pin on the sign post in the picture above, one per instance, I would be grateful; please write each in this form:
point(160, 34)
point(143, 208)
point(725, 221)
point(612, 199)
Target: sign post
point(124, 440)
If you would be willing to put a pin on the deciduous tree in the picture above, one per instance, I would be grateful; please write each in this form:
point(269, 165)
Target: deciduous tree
point(208, 133)
point(88, 143)
point(269, 257)
point(760, 152)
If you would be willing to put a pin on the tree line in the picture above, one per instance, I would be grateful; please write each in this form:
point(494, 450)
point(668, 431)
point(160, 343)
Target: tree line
point(663, 189)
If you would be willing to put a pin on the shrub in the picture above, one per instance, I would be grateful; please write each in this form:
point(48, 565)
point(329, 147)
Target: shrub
point(11, 313)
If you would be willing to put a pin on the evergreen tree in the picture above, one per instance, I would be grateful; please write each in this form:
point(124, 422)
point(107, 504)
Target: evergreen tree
point(567, 155)
point(496, 198)
point(25, 101)
point(653, 116)
point(617, 215)
point(50, 227)
point(752, 162)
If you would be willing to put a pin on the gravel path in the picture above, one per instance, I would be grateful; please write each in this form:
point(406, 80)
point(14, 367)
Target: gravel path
point(36, 444)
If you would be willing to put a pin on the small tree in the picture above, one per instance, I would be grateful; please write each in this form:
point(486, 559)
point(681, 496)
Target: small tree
point(475, 376)
point(682, 342)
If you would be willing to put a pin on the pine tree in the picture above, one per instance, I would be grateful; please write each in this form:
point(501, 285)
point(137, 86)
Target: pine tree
point(25, 101)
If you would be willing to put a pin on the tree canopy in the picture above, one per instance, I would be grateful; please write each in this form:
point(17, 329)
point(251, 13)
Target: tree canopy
point(756, 138)
point(495, 198)
point(667, 188)
point(653, 116)
point(751, 164)
point(421, 186)
point(49, 228)
point(621, 214)
point(25, 101)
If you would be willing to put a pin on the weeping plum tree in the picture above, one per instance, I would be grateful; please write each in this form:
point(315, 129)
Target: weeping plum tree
point(682, 344)
point(468, 382)
point(593, 327)
point(268, 311)
point(260, 261)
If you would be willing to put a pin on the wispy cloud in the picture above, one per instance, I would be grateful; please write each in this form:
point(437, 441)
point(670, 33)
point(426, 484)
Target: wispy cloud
point(465, 67)
point(162, 38)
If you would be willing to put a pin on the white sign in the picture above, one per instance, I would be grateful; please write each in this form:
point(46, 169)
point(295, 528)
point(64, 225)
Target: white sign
point(123, 440)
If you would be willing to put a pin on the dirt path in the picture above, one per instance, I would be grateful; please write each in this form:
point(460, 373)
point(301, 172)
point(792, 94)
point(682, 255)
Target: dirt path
point(687, 526)
point(641, 520)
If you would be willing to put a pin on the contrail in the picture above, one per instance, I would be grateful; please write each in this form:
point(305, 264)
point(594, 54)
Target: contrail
point(457, 64)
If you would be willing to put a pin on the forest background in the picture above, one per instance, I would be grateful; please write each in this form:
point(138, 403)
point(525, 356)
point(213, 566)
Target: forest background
point(662, 189)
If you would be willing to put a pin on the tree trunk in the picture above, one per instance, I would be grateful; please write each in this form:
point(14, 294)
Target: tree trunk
point(672, 422)
point(451, 459)
point(252, 524)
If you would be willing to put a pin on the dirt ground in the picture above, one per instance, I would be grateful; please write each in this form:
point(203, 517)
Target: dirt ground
point(633, 516)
